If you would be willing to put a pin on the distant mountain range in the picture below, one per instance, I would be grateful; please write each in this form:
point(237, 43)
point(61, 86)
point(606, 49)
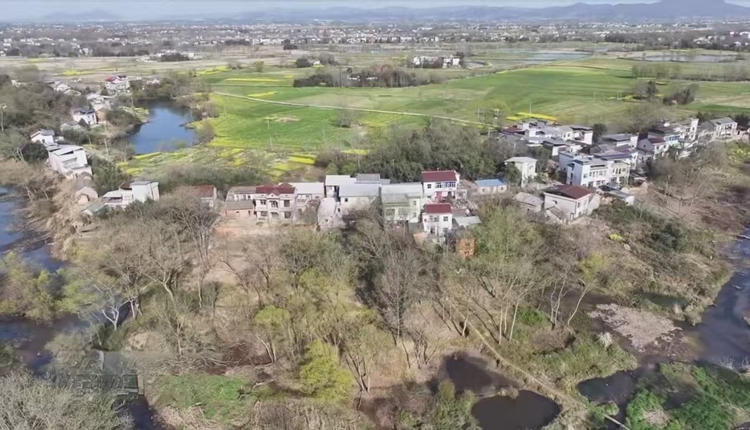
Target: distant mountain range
point(663, 10)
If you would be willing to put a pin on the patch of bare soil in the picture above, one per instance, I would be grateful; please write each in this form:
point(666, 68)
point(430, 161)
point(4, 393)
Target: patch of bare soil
point(641, 328)
point(658, 418)
point(285, 119)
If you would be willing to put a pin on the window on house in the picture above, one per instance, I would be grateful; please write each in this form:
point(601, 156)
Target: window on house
point(579, 204)
point(445, 219)
point(390, 212)
point(274, 205)
point(287, 203)
point(263, 214)
point(287, 215)
point(262, 202)
point(346, 200)
point(429, 186)
point(450, 185)
point(438, 185)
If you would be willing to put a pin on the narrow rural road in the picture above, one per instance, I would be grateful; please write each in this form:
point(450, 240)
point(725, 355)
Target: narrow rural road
point(424, 115)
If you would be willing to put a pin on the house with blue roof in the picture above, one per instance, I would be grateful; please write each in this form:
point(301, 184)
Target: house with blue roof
point(487, 187)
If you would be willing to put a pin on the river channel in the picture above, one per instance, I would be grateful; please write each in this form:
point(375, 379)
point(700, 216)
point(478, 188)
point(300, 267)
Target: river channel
point(27, 338)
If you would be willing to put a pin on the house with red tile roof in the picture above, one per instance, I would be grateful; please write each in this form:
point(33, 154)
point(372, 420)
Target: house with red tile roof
point(439, 185)
point(437, 219)
point(275, 203)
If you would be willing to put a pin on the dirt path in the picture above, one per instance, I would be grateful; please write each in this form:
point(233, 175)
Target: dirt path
point(423, 115)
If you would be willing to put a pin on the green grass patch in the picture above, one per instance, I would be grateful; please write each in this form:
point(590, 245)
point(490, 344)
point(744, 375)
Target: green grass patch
point(710, 397)
point(220, 398)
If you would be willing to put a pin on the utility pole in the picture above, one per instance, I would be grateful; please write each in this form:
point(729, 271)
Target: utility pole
point(268, 126)
point(2, 116)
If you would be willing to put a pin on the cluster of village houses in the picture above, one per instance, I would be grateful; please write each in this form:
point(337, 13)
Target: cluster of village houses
point(72, 161)
point(442, 204)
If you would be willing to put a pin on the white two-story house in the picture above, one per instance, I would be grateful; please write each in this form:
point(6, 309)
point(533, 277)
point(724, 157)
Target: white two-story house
point(437, 219)
point(438, 185)
point(525, 165)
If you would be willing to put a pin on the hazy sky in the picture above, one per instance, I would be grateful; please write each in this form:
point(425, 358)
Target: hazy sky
point(12, 10)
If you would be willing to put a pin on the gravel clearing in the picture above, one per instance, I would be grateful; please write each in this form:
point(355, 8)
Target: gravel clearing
point(642, 328)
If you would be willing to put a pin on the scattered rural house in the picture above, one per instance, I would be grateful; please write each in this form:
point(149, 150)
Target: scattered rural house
point(437, 219)
point(85, 189)
point(207, 194)
point(70, 125)
point(486, 187)
point(334, 182)
point(117, 84)
point(572, 202)
point(652, 148)
point(88, 116)
point(460, 222)
point(356, 196)
point(402, 202)
point(583, 134)
point(526, 166)
point(723, 128)
point(239, 202)
point(127, 194)
point(307, 194)
point(529, 202)
point(596, 170)
point(275, 203)
point(98, 102)
point(68, 160)
point(440, 184)
point(43, 136)
point(620, 140)
point(623, 196)
point(555, 145)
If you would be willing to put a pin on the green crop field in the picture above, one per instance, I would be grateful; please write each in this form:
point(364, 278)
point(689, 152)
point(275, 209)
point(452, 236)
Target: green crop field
point(583, 91)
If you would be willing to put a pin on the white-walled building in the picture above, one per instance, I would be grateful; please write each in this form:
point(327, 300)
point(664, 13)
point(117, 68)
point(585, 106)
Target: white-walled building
point(593, 171)
point(573, 201)
point(620, 140)
point(131, 192)
point(724, 128)
point(86, 115)
point(117, 84)
point(526, 166)
point(356, 196)
point(68, 160)
point(437, 219)
point(43, 136)
point(402, 202)
point(652, 147)
point(440, 184)
point(334, 182)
